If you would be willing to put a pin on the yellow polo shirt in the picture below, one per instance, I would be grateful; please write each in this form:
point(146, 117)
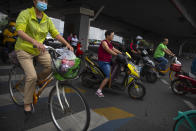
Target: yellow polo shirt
point(28, 23)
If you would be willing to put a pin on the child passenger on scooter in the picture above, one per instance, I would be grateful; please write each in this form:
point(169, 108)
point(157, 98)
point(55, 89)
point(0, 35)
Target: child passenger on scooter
point(105, 52)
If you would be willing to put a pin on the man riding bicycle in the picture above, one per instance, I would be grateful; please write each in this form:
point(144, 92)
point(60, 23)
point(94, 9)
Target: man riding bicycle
point(33, 26)
point(105, 52)
point(160, 53)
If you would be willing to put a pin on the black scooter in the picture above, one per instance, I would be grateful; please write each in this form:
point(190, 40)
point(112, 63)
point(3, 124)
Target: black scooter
point(148, 68)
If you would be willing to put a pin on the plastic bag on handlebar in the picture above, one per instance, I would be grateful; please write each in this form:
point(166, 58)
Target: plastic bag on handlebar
point(175, 60)
point(66, 54)
point(178, 62)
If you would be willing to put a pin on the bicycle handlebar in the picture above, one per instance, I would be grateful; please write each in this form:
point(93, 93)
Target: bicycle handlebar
point(49, 48)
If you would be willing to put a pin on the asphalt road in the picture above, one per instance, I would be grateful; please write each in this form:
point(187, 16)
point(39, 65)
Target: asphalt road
point(116, 111)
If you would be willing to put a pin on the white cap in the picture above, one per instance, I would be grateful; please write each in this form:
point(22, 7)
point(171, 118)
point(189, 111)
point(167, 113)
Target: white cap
point(139, 38)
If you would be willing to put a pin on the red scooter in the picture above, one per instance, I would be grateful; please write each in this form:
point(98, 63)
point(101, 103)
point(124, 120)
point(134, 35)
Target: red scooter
point(79, 51)
point(183, 84)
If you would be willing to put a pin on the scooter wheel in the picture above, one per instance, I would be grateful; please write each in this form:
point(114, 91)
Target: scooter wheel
point(151, 77)
point(89, 80)
point(84, 78)
point(136, 90)
point(177, 87)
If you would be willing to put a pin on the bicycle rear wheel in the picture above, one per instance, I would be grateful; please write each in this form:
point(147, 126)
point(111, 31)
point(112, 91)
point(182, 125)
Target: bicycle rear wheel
point(16, 85)
point(74, 114)
point(183, 125)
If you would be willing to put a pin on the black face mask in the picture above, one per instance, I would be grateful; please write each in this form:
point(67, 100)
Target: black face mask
point(12, 29)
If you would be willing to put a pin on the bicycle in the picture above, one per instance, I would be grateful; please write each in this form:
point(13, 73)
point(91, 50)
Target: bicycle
point(185, 121)
point(68, 108)
point(174, 69)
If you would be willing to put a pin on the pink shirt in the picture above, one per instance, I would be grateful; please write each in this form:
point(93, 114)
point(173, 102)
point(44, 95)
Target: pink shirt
point(69, 38)
point(103, 55)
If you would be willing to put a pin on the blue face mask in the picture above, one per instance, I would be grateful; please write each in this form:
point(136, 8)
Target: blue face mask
point(41, 6)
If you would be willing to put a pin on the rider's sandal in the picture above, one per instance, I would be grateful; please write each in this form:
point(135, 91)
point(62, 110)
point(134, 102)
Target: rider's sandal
point(100, 94)
point(27, 115)
point(31, 111)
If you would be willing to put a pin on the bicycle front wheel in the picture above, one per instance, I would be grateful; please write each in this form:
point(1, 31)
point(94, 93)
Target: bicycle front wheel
point(183, 125)
point(16, 85)
point(136, 90)
point(69, 109)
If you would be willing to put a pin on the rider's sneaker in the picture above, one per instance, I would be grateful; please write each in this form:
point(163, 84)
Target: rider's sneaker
point(99, 93)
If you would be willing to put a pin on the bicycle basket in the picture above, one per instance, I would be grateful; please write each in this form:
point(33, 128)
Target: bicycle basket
point(175, 67)
point(70, 73)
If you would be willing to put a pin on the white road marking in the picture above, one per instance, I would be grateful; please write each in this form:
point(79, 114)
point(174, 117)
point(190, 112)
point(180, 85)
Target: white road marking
point(164, 81)
point(5, 99)
point(95, 121)
point(189, 104)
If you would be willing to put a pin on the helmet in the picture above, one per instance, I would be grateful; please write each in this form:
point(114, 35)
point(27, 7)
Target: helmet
point(12, 24)
point(139, 38)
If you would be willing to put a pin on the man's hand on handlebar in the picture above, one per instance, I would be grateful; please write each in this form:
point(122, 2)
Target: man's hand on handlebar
point(70, 48)
point(173, 55)
point(39, 46)
point(120, 56)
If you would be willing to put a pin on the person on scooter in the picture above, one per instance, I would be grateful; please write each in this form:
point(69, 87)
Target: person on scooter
point(69, 37)
point(160, 53)
point(74, 41)
point(9, 40)
point(10, 36)
point(105, 52)
point(134, 49)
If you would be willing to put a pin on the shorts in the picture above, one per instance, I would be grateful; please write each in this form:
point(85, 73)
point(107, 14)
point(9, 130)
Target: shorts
point(105, 67)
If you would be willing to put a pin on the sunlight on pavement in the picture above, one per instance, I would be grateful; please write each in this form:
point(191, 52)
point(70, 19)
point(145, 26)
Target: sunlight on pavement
point(112, 113)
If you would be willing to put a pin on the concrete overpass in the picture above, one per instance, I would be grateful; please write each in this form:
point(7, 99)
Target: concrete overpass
point(152, 19)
